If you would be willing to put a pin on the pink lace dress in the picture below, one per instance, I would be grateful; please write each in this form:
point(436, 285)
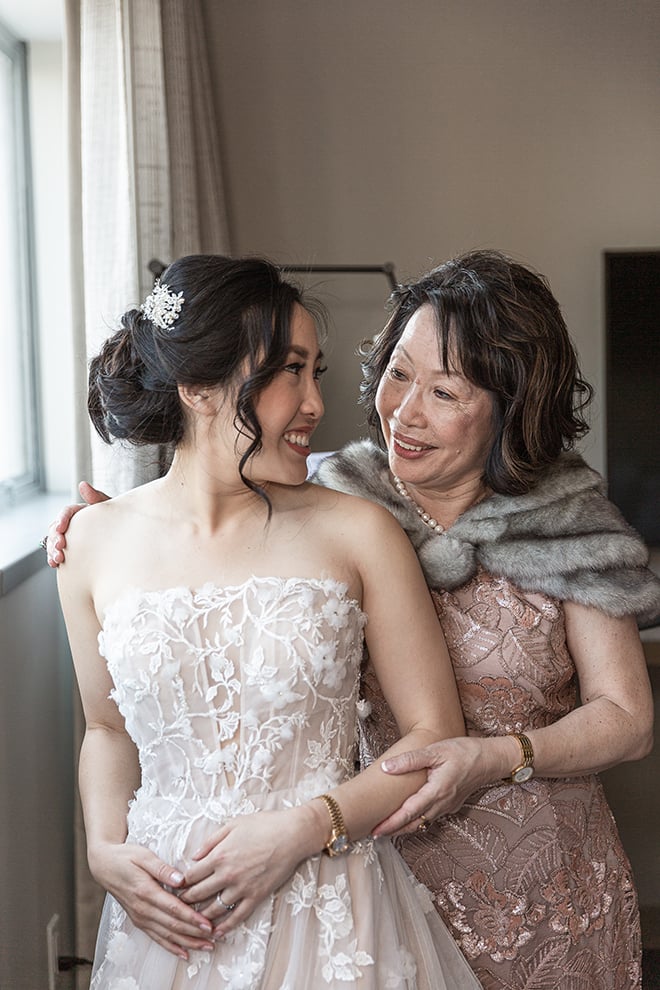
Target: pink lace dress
point(531, 878)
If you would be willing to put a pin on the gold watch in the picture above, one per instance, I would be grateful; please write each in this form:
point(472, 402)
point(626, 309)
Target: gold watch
point(339, 840)
point(524, 770)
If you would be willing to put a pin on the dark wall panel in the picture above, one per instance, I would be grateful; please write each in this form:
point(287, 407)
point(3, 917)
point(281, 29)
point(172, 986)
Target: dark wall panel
point(632, 308)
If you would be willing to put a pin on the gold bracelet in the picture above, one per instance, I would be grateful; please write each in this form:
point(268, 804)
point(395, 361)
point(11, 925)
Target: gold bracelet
point(339, 840)
point(525, 770)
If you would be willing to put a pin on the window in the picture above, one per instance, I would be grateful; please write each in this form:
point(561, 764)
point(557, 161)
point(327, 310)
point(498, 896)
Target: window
point(19, 446)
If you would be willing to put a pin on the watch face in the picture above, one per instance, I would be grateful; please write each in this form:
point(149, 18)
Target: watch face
point(339, 844)
point(522, 774)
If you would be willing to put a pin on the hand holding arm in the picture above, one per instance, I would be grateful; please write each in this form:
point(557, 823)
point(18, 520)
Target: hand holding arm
point(455, 769)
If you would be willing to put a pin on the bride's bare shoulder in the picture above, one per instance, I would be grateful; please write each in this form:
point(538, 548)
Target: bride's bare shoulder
point(353, 510)
point(104, 520)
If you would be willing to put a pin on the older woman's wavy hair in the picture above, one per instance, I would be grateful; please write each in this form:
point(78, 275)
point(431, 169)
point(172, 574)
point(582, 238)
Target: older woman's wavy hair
point(500, 326)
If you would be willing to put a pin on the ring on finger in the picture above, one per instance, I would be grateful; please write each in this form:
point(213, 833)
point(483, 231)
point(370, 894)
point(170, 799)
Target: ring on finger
point(423, 823)
point(225, 907)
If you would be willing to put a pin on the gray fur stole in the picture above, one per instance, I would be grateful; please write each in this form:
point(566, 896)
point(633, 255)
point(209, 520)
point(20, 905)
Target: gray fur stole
point(564, 538)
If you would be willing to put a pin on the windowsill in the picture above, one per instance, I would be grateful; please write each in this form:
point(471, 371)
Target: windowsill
point(21, 528)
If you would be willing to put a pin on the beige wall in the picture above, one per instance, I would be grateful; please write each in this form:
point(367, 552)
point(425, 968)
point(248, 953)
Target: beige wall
point(364, 131)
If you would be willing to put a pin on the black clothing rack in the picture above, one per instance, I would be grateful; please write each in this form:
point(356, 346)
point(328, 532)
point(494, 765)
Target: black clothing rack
point(157, 268)
point(387, 270)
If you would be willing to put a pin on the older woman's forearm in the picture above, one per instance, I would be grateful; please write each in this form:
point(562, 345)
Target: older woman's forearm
point(594, 737)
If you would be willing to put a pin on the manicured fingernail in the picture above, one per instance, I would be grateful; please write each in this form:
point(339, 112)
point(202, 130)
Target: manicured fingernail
point(386, 766)
point(176, 877)
point(206, 927)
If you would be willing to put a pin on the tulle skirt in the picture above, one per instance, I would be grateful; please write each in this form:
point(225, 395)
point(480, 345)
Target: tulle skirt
point(355, 921)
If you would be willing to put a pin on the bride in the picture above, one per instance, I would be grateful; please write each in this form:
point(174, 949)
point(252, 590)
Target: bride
point(217, 619)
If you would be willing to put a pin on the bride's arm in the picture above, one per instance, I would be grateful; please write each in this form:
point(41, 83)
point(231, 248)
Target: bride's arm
point(109, 774)
point(410, 657)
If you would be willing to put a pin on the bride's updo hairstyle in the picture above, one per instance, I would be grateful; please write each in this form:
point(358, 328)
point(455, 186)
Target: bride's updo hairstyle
point(228, 315)
point(500, 326)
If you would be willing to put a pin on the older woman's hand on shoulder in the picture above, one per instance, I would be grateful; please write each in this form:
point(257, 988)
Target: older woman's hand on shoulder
point(55, 542)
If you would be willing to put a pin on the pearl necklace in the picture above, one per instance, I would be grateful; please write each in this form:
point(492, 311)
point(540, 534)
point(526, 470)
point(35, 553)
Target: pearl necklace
point(422, 513)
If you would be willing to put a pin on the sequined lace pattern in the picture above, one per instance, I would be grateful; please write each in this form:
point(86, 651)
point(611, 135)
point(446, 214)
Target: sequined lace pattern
point(531, 879)
point(240, 699)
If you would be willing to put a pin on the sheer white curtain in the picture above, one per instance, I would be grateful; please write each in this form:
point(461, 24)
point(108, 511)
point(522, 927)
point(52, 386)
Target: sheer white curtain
point(149, 183)
point(146, 182)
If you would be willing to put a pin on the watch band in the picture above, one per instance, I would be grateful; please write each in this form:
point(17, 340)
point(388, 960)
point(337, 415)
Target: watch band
point(339, 840)
point(523, 771)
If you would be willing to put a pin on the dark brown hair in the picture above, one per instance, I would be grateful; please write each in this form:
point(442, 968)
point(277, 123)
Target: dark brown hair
point(236, 314)
point(500, 324)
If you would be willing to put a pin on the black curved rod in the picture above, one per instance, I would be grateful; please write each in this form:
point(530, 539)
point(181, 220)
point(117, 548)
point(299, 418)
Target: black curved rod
point(387, 270)
point(157, 268)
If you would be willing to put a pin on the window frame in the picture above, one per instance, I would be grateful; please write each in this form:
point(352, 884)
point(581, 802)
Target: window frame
point(14, 489)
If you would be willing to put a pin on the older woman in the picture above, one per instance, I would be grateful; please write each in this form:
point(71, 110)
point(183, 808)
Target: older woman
point(475, 394)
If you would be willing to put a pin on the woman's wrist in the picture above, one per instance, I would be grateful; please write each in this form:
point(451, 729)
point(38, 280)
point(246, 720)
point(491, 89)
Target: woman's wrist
point(509, 756)
point(100, 859)
point(499, 755)
point(314, 827)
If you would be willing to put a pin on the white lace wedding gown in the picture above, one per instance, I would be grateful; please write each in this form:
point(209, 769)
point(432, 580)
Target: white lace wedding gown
point(240, 699)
